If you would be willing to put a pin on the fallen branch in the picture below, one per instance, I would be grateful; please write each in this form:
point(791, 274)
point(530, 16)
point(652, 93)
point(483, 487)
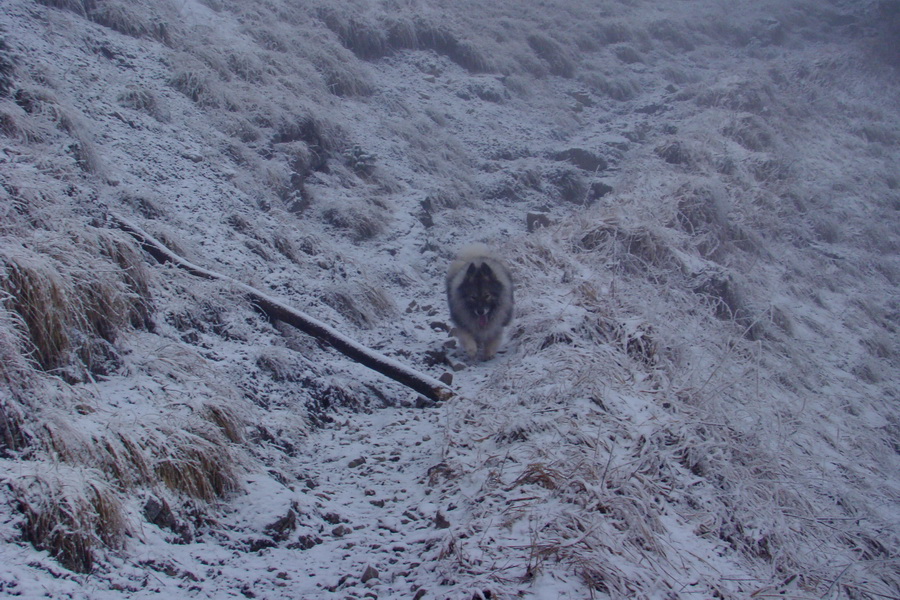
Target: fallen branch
point(424, 384)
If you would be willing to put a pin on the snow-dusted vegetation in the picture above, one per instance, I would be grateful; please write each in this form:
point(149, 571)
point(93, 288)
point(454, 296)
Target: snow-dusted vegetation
point(697, 397)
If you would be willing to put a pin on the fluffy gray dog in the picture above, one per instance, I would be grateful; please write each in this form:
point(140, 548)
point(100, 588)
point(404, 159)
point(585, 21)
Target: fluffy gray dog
point(480, 295)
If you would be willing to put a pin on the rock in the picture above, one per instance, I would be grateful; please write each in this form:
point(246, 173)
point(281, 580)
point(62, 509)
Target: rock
point(446, 378)
point(370, 573)
point(341, 531)
point(257, 544)
point(305, 542)
point(357, 462)
point(598, 190)
point(281, 529)
point(435, 357)
point(333, 518)
point(159, 513)
point(425, 219)
point(583, 159)
point(420, 593)
point(582, 97)
point(440, 521)
point(423, 402)
point(534, 221)
point(439, 326)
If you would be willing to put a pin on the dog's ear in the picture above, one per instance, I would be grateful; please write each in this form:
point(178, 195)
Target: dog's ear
point(486, 271)
point(471, 270)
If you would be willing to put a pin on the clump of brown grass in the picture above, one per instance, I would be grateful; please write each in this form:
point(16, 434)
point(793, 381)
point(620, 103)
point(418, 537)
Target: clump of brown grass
point(145, 100)
point(198, 83)
point(15, 377)
point(129, 20)
point(71, 314)
point(632, 249)
point(362, 220)
point(70, 512)
point(35, 293)
point(363, 304)
point(196, 464)
point(558, 59)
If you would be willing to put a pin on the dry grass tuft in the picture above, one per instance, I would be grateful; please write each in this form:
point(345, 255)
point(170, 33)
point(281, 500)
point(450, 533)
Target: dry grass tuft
point(633, 250)
point(76, 6)
point(374, 38)
point(343, 77)
point(363, 304)
point(365, 40)
point(558, 60)
point(744, 95)
point(72, 315)
point(540, 475)
point(197, 82)
point(363, 221)
point(7, 68)
point(129, 20)
point(48, 114)
point(144, 100)
point(36, 294)
point(70, 512)
point(225, 419)
point(193, 465)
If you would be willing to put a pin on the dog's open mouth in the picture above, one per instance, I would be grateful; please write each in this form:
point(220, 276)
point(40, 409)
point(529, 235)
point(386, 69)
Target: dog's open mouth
point(483, 321)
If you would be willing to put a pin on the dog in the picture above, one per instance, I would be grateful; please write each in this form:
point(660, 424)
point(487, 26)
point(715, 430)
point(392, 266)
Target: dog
point(480, 297)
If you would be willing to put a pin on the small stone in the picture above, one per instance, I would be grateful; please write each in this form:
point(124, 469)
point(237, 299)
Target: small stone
point(305, 542)
point(583, 159)
point(356, 462)
point(370, 573)
point(423, 402)
point(598, 190)
point(281, 529)
point(420, 593)
point(341, 531)
point(439, 326)
point(534, 221)
point(440, 521)
point(446, 378)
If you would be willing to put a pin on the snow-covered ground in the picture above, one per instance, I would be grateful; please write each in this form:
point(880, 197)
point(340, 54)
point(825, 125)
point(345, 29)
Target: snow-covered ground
point(697, 398)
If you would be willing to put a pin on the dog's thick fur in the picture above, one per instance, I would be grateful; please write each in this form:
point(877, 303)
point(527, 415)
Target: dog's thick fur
point(480, 296)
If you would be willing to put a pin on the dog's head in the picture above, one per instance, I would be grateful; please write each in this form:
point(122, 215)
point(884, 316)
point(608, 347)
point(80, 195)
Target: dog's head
point(481, 291)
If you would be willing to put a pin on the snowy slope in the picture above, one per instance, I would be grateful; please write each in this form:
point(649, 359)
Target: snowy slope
point(698, 394)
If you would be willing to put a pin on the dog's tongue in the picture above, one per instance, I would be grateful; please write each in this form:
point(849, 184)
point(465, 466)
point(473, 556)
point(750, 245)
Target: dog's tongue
point(482, 321)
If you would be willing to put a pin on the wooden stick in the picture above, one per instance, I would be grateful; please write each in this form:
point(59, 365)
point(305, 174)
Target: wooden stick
point(424, 384)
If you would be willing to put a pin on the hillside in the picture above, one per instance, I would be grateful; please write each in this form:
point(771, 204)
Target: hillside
point(698, 394)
